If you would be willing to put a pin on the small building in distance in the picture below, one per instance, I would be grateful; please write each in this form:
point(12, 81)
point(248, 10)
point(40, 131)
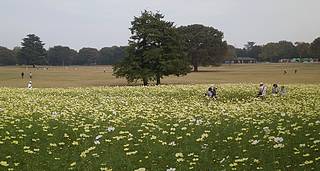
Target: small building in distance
point(241, 60)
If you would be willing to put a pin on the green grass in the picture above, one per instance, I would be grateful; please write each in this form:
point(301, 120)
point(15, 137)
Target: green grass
point(94, 76)
point(160, 127)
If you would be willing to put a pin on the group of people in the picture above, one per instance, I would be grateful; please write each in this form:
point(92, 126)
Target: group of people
point(276, 90)
point(29, 85)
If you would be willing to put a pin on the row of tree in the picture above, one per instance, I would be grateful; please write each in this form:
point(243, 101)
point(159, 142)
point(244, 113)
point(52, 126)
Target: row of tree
point(32, 52)
point(272, 52)
point(156, 48)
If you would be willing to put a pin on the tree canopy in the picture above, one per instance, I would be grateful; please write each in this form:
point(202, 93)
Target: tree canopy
point(274, 51)
point(204, 45)
point(315, 48)
point(155, 50)
point(87, 56)
point(7, 56)
point(60, 55)
point(111, 55)
point(32, 51)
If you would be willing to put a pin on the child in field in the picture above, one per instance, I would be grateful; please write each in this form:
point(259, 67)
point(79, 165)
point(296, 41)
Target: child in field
point(29, 85)
point(262, 90)
point(275, 89)
point(282, 91)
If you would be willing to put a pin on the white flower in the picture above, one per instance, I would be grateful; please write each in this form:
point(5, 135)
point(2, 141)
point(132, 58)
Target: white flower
point(96, 142)
point(172, 143)
point(266, 130)
point(111, 129)
point(278, 139)
point(98, 137)
point(199, 122)
point(255, 142)
point(318, 122)
point(171, 169)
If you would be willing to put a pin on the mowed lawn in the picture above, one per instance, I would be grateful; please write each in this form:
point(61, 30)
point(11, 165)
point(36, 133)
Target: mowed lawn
point(89, 76)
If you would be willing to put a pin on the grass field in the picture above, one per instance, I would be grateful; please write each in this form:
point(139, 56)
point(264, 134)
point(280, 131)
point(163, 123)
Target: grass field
point(94, 76)
point(92, 126)
point(159, 128)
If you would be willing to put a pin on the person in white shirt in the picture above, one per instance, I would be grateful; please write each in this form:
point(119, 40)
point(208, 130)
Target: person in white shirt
point(262, 90)
point(30, 85)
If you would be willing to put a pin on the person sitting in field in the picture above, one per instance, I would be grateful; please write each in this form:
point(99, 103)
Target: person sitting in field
point(29, 85)
point(262, 90)
point(282, 91)
point(275, 89)
point(212, 92)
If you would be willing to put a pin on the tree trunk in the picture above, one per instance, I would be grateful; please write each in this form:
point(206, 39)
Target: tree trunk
point(195, 68)
point(145, 81)
point(158, 79)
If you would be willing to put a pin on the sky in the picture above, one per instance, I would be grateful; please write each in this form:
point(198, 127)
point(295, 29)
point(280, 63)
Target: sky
point(104, 23)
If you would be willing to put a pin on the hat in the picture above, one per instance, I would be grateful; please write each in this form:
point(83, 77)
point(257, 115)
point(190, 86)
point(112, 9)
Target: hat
point(261, 83)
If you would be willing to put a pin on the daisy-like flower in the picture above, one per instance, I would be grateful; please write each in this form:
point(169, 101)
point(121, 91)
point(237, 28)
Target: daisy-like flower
point(255, 142)
point(171, 169)
point(278, 139)
point(111, 129)
point(98, 137)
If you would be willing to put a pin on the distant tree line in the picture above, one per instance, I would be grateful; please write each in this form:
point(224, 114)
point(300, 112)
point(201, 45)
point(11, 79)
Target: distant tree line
point(273, 52)
point(32, 52)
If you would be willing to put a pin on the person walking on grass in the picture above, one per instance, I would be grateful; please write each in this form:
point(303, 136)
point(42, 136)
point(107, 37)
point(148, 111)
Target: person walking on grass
point(22, 75)
point(30, 75)
point(262, 91)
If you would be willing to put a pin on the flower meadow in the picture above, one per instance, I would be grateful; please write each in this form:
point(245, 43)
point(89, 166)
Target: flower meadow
point(165, 128)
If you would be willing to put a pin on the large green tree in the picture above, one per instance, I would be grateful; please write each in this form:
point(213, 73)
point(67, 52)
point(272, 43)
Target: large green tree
point(252, 50)
point(7, 56)
point(32, 51)
point(60, 55)
point(155, 50)
point(204, 45)
point(315, 48)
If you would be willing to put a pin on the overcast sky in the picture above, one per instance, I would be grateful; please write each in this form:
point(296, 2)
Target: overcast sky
point(101, 23)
